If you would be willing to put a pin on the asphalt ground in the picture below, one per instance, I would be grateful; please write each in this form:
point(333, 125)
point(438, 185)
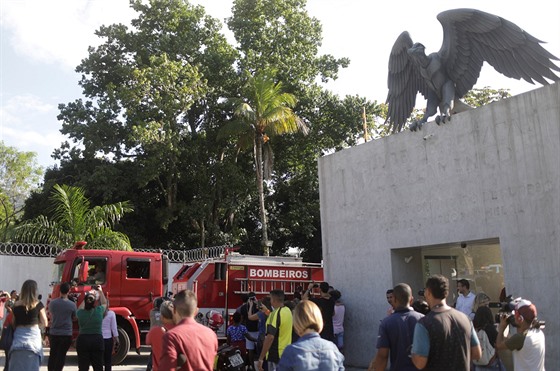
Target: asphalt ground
point(133, 361)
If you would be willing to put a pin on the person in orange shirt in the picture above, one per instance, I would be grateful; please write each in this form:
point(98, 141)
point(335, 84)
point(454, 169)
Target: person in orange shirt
point(155, 336)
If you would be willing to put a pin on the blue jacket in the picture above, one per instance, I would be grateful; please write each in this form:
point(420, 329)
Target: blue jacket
point(310, 352)
point(28, 338)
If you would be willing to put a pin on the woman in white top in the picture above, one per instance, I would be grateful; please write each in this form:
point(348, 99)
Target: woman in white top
point(338, 320)
point(110, 336)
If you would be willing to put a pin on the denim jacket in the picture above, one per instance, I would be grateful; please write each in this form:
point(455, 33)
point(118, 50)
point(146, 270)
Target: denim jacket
point(310, 352)
point(28, 338)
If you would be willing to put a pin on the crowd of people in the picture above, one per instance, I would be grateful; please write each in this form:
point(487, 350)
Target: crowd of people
point(306, 333)
point(25, 316)
point(429, 334)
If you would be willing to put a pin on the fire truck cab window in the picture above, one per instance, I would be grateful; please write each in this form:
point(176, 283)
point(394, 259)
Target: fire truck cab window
point(96, 271)
point(136, 268)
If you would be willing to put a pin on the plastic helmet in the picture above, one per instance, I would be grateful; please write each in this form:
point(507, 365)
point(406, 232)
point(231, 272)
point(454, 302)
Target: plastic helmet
point(215, 320)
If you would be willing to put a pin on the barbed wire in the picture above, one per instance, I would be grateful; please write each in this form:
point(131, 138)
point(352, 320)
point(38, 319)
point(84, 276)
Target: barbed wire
point(174, 256)
point(193, 255)
point(29, 249)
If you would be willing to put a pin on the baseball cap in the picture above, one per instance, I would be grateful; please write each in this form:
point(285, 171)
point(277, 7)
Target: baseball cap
point(526, 309)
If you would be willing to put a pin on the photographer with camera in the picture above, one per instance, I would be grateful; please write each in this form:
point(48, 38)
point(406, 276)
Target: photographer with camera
point(326, 304)
point(528, 343)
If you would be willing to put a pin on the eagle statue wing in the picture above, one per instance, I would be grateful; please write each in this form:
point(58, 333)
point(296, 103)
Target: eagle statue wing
point(472, 37)
point(404, 82)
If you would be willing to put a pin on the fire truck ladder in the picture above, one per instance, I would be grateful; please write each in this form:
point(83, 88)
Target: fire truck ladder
point(264, 286)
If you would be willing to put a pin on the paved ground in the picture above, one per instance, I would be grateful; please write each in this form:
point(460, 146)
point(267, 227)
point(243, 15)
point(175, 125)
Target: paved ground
point(133, 362)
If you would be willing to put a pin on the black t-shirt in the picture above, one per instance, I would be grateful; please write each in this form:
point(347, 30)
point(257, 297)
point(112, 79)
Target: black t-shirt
point(252, 326)
point(26, 318)
point(327, 310)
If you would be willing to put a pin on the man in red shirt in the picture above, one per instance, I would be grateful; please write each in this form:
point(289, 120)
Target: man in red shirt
point(188, 341)
point(155, 336)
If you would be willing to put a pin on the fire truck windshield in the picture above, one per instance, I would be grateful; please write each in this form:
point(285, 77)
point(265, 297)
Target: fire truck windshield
point(58, 270)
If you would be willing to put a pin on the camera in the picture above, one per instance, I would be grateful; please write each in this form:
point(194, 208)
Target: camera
point(505, 310)
point(420, 292)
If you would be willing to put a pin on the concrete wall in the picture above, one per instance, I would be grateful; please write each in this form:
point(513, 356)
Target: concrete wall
point(493, 172)
point(14, 270)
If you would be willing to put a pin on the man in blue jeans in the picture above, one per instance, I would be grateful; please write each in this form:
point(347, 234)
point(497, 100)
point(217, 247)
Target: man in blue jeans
point(63, 312)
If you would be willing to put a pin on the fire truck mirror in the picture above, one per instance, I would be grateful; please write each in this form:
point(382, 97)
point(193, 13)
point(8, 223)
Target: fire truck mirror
point(84, 269)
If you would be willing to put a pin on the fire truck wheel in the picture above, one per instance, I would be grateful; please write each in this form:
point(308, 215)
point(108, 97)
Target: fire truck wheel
point(124, 347)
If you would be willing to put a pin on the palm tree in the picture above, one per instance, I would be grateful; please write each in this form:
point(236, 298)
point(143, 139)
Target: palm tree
point(74, 220)
point(264, 112)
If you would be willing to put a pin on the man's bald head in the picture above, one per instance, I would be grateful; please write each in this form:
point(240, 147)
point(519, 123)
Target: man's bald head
point(402, 294)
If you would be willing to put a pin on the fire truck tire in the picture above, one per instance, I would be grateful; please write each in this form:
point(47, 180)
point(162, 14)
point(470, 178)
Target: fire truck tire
point(124, 347)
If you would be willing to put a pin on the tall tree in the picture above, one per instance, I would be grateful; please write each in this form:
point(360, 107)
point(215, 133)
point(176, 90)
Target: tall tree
point(149, 89)
point(74, 220)
point(19, 175)
point(132, 141)
point(264, 112)
point(280, 34)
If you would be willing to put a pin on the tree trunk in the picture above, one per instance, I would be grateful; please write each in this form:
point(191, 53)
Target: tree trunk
point(202, 233)
point(260, 189)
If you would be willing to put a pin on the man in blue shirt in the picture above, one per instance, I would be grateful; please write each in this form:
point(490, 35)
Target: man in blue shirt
point(396, 333)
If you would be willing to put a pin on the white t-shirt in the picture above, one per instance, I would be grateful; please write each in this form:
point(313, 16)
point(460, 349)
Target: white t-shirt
point(531, 356)
point(465, 304)
point(338, 318)
point(109, 326)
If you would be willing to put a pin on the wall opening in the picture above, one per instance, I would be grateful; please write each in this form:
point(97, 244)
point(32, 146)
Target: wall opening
point(478, 261)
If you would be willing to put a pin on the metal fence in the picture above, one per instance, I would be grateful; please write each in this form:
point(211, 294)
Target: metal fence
point(174, 256)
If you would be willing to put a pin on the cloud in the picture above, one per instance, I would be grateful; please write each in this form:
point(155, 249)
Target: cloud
point(30, 124)
point(59, 32)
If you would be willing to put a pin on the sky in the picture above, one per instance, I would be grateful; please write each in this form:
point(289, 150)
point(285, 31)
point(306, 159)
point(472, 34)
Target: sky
point(42, 42)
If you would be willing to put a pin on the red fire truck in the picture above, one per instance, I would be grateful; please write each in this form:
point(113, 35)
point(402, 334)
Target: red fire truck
point(130, 280)
point(220, 282)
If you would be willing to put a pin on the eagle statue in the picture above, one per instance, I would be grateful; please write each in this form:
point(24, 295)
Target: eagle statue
point(470, 38)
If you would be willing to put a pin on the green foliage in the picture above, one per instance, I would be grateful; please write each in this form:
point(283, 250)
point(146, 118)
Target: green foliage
point(149, 89)
point(486, 95)
point(73, 220)
point(280, 34)
point(169, 109)
point(19, 176)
